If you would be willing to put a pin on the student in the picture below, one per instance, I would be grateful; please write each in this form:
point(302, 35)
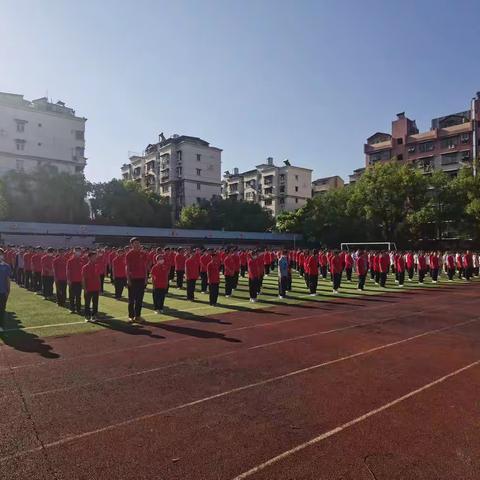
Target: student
point(260, 272)
point(160, 277)
point(74, 280)
point(60, 277)
point(450, 266)
point(136, 269)
point(410, 264)
point(400, 269)
point(20, 263)
point(336, 268)
point(236, 269)
point(27, 260)
point(119, 273)
point(91, 285)
point(421, 267)
point(47, 274)
point(434, 266)
point(361, 264)
point(312, 268)
point(348, 266)
point(192, 271)
point(384, 267)
point(180, 267)
point(323, 261)
point(5, 273)
point(213, 276)
point(37, 270)
point(283, 268)
point(229, 273)
point(266, 262)
point(205, 259)
point(253, 276)
point(243, 262)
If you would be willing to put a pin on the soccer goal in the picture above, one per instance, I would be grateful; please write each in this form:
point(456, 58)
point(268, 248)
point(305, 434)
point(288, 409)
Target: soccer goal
point(368, 246)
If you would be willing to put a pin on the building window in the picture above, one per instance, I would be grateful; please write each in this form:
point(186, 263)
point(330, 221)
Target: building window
point(39, 144)
point(199, 157)
point(282, 177)
point(164, 189)
point(20, 125)
point(282, 201)
point(296, 177)
point(399, 141)
point(450, 142)
point(39, 124)
point(282, 189)
point(179, 171)
point(465, 137)
point(296, 200)
point(411, 149)
point(400, 156)
point(199, 171)
point(79, 135)
point(296, 189)
point(78, 169)
point(79, 153)
point(179, 155)
point(19, 165)
point(426, 146)
point(20, 144)
point(268, 202)
point(199, 186)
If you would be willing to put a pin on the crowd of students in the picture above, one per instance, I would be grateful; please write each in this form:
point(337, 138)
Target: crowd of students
point(71, 272)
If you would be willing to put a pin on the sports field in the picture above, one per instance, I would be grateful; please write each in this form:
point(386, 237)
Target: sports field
point(357, 386)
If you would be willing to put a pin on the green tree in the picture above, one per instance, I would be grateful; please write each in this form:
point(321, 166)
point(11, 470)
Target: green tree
point(194, 217)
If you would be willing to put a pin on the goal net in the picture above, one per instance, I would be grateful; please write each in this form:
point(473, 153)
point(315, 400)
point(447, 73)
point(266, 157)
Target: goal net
point(368, 246)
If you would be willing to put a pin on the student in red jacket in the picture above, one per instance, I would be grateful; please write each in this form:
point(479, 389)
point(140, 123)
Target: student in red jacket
point(253, 276)
point(205, 259)
point(119, 273)
point(336, 268)
point(236, 268)
point(434, 266)
point(243, 262)
point(361, 264)
point(260, 271)
point(312, 267)
point(74, 280)
point(229, 273)
point(91, 286)
point(400, 269)
point(60, 277)
point(323, 261)
point(137, 276)
point(422, 267)
point(348, 265)
point(410, 264)
point(27, 260)
point(450, 266)
point(180, 267)
point(213, 276)
point(384, 267)
point(37, 270)
point(192, 272)
point(47, 274)
point(160, 277)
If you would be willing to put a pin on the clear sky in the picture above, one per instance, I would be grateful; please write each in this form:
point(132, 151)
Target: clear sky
point(303, 80)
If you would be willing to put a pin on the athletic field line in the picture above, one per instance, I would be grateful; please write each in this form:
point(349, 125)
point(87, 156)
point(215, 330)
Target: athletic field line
point(130, 421)
point(218, 355)
point(353, 422)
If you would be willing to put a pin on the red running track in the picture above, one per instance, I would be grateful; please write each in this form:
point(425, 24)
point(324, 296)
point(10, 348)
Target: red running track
point(354, 389)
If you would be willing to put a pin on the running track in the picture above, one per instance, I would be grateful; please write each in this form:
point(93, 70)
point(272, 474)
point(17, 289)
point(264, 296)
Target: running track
point(373, 388)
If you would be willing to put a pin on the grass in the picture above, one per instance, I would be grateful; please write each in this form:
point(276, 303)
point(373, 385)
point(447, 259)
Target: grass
point(31, 317)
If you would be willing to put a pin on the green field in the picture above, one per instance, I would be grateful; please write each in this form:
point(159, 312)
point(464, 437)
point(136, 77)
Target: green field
point(30, 314)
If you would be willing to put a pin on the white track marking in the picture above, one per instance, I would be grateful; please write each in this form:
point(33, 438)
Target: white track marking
point(353, 422)
point(226, 393)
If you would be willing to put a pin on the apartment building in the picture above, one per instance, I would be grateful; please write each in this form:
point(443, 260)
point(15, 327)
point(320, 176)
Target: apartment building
point(185, 169)
point(275, 188)
point(451, 142)
point(322, 185)
point(40, 133)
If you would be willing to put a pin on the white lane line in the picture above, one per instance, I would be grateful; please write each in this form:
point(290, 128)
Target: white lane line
point(353, 422)
point(216, 396)
point(210, 357)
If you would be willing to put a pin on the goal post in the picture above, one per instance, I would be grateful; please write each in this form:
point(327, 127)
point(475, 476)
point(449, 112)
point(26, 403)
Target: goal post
point(368, 246)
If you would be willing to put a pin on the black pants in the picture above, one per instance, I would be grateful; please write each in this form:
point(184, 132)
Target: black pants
point(289, 281)
point(47, 283)
point(348, 271)
point(306, 278)
point(361, 281)
point(461, 272)
point(37, 281)
point(323, 270)
point(159, 298)
point(401, 277)
point(372, 273)
point(383, 278)
point(282, 286)
point(377, 277)
point(260, 283)
point(28, 280)
point(91, 304)
point(74, 295)
point(204, 279)
point(136, 290)
point(253, 287)
point(434, 274)
point(180, 274)
point(450, 273)
point(267, 269)
point(243, 270)
point(410, 272)
point(337, 280)
point(119, 284)
point(229, 284)
point(171, 276)
point(213, 293)
point(61, 291)
point(3, 306)
point(468, 273)
point(235, 280)
point(102, 281)
point(312, 283)
point(191, 289)
point(421, 275)
point(20, 276)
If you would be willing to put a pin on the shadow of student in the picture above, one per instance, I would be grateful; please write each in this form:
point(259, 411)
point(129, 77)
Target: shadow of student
point(185, 315)
point(112, 323)
point(24, 340)
point(193, 332)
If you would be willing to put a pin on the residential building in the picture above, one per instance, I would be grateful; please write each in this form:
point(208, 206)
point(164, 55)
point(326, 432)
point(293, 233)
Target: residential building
point(357, 173)
point(451, 142)
point(40, 133)
point(275, 188)
point(322, 185)
point(185, 169)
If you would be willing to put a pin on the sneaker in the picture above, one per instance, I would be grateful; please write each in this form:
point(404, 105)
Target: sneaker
point(87, 319)
point(160, 311)
point(227, 296)
point(251, 300)
point(72, 312)
point(313, 294)
point(93, 319)
point(359, 290)
point(131, 320)
point(335, 292)
point(157, 311)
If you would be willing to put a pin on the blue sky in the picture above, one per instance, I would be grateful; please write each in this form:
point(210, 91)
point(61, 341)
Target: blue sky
point(304, 80)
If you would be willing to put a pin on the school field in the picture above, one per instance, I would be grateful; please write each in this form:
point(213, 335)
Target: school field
point(374, 385)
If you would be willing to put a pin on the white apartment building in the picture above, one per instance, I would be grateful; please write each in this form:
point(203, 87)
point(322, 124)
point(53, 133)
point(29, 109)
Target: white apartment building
point(39, 133)
point(185, 169)
point(278, 189)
